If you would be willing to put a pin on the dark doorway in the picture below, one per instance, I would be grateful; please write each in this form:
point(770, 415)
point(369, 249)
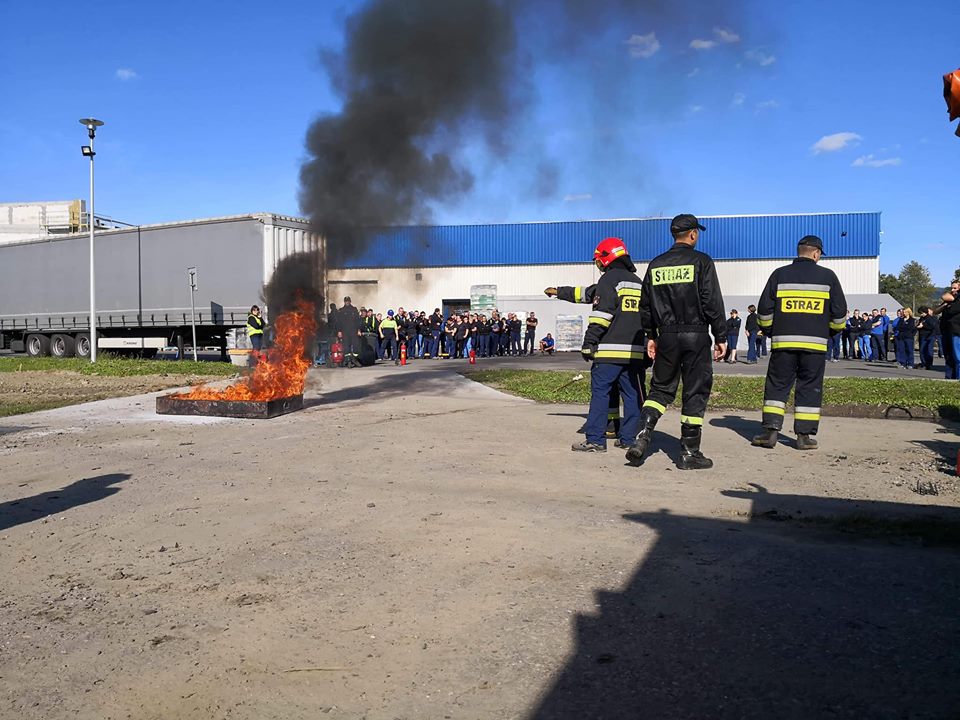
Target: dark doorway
point(455, 307)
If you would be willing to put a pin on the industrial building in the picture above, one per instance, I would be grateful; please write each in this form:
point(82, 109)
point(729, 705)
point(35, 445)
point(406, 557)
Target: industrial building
point(452, 267)
point(436, 266)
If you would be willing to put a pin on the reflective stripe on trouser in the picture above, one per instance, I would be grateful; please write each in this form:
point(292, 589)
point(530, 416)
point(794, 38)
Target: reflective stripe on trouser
point(603, 377)
point(789, 367)
point(682, 356)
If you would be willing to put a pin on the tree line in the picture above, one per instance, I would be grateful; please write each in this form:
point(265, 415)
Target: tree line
point(913, 286)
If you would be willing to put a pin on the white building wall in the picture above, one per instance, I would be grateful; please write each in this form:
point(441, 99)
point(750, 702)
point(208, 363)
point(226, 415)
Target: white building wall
point(394, 287)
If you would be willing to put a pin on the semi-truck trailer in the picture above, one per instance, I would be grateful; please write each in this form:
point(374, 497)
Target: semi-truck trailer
point(143, 293)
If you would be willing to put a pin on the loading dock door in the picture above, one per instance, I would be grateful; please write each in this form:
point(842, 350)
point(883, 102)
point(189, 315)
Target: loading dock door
point(455, 307)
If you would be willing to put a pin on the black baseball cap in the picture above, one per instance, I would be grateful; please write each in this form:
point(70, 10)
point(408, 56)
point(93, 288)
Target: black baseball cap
point(683, 223)
point(812, 241)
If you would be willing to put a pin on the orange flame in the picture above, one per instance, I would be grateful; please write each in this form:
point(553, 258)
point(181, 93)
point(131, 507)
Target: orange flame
point(279, 373)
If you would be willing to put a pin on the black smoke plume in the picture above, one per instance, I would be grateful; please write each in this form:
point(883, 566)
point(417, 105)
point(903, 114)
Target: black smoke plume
point(415, 76)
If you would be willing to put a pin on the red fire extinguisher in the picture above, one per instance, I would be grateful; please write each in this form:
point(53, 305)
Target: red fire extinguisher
point(473, 356)
point(403, 354)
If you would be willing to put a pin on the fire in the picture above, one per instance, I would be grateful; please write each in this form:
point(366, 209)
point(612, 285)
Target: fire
point(282, 371)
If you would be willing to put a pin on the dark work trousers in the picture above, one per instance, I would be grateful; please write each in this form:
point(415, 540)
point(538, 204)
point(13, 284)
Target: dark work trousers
point(806, 370)
point(604, 376)
point(388, 346)
point(687, 356)
point(877, 347)
point(515, 343)
point(504, 343)
point(926, 351)
point(752, 347)
point(528, 342)
point(761, 345)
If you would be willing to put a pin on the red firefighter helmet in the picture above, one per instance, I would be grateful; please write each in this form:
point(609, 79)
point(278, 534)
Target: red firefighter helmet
point(607, 251)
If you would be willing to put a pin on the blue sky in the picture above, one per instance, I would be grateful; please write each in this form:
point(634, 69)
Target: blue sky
point(795, 107)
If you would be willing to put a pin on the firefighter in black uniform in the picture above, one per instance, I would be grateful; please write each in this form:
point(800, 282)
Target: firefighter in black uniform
point(587, 294)
point(614, 344)
point(802, 307)
point(681, 305)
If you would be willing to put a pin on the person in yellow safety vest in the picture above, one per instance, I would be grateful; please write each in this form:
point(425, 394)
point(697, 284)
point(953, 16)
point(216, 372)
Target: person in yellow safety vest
point(255, 327)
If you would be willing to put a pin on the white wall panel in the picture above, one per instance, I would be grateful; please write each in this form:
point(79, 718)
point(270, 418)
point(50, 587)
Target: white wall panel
point(393, 287)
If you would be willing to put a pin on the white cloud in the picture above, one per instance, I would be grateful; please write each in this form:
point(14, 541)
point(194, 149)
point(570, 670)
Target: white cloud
point(760, 57)
point(695, 71)
point(720, 35)
point(767, 105)
point(643, 46)
point(871, 161)
point(725, 35)
point(738, 99)
point(837, 141)
point(578, 198)
point(126, 74)
point(696, 108)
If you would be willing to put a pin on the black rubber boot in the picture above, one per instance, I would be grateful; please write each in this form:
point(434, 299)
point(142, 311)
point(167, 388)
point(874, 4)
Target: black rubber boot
point(635, 453)
point(690, 456)
point(613, 428)
point(806, 442)
point(766, 439)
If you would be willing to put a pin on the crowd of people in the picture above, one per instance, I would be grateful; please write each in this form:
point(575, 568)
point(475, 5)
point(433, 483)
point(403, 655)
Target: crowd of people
point(869, 336)
point(418, 335)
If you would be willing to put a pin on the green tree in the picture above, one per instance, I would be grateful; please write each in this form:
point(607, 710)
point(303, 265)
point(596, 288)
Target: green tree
point(890, 285)
point(911, 287)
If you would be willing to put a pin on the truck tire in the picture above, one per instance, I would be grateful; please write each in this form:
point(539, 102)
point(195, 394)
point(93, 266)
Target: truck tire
point(82, 345)
point(38, 345)
point(62, 346)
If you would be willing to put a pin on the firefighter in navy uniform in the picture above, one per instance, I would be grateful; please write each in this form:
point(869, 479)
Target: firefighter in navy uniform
point(587, 294)
point(802, 307)
point(614, 344)
point(681, 305)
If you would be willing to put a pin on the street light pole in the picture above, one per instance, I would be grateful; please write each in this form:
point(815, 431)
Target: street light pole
point(92, 124)
point(192, 275)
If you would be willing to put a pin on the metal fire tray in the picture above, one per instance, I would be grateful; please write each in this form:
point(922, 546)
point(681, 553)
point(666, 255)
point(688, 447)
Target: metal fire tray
point(250, 409)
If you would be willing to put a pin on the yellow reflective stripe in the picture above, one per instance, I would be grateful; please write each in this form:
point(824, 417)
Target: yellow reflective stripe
point(806, 416)
point(773, 410)
point(619, 354)
point(599, 321)
point(837, 326)
point(628, 291)
point(655, 405)
point(577, 294)
point(803, 293)
point(690, 420)
point(613, 416)
point(798, 346)
point(764, 323)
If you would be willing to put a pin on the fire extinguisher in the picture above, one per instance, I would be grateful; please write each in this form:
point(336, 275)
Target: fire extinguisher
point(473, 356)
point(403, 354)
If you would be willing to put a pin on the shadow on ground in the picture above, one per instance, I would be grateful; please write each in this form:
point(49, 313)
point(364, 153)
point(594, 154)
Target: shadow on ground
point(815, 608)
point(81, 492)
point(13, 429)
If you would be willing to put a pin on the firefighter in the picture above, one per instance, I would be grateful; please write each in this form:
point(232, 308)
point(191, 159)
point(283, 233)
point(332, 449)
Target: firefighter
point(614, 344)
point(681, 305)
point(255, 327)
point(587, 295)
point(802, 306)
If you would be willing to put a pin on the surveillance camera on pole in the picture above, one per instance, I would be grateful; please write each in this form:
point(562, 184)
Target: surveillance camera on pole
point(91, 124)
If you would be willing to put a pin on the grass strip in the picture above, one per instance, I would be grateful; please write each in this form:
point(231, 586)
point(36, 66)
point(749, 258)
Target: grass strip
point(18, 408)
point(112, 366)
point(732, 392)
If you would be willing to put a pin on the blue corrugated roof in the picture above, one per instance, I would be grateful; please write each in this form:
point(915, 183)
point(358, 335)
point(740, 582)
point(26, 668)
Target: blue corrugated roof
point(747, 237)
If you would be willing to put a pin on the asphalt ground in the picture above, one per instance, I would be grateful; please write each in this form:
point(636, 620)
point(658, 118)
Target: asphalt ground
point(415, 545)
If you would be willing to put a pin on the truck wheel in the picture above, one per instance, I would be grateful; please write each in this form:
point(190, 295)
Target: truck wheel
point(61, 346)
point(38, 345)
point(82, 346)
